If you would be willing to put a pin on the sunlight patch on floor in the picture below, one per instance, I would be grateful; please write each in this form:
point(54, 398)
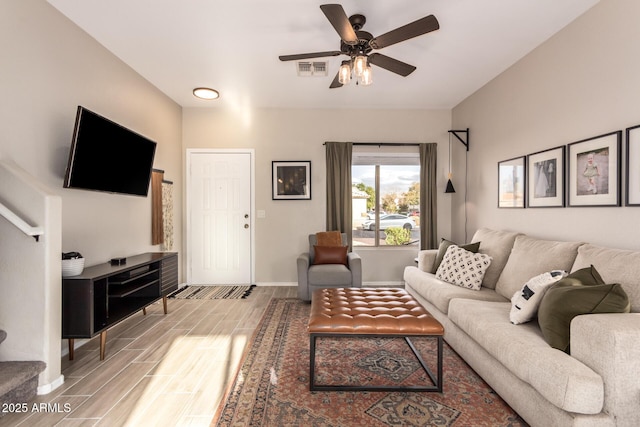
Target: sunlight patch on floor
point(193, 365)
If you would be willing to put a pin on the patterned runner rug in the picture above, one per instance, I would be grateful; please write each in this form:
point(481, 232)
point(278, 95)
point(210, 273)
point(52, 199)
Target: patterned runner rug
point(271, 387)
point(213, 292)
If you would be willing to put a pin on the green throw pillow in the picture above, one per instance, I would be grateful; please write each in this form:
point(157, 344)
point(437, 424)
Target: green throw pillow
point(581, 292)
point(444, 245)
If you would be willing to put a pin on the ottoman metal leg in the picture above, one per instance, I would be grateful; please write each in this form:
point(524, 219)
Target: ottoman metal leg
point(436, 380)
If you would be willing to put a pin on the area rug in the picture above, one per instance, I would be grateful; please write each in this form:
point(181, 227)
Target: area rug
point(271, 387)
point(213, 292)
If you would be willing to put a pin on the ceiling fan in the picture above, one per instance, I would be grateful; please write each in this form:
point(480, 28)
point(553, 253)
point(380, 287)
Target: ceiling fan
point(358, 45)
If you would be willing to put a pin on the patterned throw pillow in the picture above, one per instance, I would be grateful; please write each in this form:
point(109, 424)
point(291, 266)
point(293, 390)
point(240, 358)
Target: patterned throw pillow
point(463, 268)
point(525, 302)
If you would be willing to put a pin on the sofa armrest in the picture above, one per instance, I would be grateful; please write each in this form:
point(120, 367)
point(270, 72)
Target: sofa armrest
point(610, 345)
point(427, 259)
point(355, 265)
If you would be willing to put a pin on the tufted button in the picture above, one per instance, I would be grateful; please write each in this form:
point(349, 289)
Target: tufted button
point(389, 311)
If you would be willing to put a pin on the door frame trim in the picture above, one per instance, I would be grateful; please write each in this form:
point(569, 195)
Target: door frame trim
point(194, 151)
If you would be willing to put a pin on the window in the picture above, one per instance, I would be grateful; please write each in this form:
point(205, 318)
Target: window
point(386, 195)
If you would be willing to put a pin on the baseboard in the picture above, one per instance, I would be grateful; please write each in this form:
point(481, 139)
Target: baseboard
point(48, 388)
point(276, 283)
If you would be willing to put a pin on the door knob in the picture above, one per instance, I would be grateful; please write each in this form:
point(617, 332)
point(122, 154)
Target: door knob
point(246, 215)
point(246, 226)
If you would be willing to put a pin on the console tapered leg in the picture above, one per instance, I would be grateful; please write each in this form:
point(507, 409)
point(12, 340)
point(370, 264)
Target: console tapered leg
point(103, 343)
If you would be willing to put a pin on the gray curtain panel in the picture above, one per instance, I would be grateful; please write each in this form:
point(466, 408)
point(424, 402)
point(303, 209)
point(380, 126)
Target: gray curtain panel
point(428, 196)
point(339, 205)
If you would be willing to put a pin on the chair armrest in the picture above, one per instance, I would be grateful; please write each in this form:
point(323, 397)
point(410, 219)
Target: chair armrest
point(302, 263)
point(610, 345)
point(427, 259)
point(354, 262)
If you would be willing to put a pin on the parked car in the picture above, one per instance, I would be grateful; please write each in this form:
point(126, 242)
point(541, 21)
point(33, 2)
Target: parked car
point(372, 214)
point(391, 220)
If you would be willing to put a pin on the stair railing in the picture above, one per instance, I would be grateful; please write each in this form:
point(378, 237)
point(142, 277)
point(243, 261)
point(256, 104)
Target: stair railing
point(21, 224)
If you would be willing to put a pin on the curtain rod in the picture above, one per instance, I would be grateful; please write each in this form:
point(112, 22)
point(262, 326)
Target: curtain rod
point(400, 144)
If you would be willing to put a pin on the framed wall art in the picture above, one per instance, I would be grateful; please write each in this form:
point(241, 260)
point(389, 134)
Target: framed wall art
point(511, 183)
point(545, 178)
point(594, 171)
point(291, 180)
point(633, 166)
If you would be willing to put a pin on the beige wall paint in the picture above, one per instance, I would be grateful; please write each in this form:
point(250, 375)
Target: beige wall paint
point(583, 82)
point(49, 67)
point(281, 134)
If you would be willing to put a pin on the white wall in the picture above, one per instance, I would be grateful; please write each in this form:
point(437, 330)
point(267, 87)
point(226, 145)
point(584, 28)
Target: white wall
point(30, 273)
point(583, 82)
point(281, 134)
point(49, 67)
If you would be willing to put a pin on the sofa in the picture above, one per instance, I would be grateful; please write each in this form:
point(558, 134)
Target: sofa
point(596, 384)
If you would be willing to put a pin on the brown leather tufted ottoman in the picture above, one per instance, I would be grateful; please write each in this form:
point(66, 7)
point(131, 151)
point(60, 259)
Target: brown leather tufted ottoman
point(371, 312)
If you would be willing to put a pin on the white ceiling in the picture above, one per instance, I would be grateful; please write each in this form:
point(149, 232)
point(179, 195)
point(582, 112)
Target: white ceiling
point(233, 46)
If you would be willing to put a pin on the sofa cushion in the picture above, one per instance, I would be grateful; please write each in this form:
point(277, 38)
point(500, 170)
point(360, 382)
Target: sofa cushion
point(463, 268)
point(497, 244)
point(582, 292)
point(615, 266)
point(531, 257)
point(444, 245)
point(440, 293)
point(560, 378)
point(525, 302)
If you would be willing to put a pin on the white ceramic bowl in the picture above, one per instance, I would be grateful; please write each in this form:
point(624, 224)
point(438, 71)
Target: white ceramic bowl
point(72, 267)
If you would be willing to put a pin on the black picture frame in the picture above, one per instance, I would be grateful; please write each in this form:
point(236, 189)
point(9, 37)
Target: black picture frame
point(632, 166)
point(546, 178)
point(291, 180)
point(512, 183)
point(593, 171)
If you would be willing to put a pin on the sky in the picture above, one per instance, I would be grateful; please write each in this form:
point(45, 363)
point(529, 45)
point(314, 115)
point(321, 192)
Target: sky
point(392, 178)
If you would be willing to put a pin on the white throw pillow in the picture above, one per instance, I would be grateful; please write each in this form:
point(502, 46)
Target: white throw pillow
point(463, 268)
point(525, 302)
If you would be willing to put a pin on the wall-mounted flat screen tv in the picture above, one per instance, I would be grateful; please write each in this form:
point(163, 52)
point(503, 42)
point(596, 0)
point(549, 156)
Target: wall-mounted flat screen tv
point(105, 156)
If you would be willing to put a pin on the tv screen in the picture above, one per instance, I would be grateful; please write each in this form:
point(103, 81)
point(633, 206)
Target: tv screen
point(105, 156)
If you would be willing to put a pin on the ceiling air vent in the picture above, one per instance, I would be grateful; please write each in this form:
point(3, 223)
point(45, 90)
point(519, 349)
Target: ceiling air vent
point(312, 69)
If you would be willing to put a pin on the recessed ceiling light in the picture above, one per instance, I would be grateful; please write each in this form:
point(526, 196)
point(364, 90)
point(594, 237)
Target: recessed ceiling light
point(206, 93)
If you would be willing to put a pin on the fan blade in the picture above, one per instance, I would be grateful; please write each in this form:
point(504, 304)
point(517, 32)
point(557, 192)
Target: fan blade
point(309, 55)
point(391, 64)
point(336, 83)
point(338, 18)
point(409, 31)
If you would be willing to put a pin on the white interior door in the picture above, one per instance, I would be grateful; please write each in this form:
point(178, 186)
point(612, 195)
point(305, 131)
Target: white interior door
point(220, 220)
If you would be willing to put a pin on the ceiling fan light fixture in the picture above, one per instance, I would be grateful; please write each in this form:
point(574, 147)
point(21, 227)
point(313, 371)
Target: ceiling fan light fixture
point(344, 74)
point(206, 93)
point(359, 65)
point(367, 76)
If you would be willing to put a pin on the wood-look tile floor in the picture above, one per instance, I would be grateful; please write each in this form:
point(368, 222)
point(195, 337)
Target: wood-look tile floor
point(159, 370)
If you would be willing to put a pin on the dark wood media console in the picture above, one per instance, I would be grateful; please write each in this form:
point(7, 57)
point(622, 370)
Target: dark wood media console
point(105, 294)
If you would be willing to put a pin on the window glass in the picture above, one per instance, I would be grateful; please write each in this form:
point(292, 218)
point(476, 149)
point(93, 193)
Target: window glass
point(386, 198)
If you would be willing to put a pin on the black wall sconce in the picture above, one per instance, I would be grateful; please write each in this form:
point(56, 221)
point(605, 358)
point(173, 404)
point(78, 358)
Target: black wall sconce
point(465, 142)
